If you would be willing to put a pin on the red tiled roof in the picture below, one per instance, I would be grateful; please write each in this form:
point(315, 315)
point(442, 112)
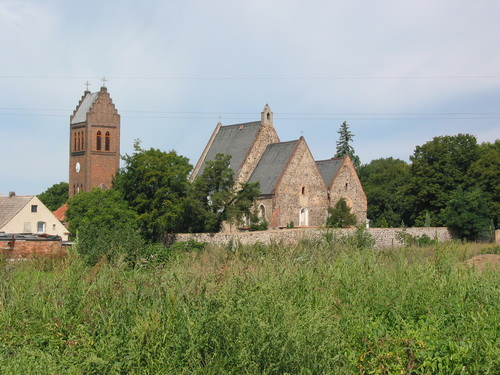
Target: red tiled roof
point(60, 213)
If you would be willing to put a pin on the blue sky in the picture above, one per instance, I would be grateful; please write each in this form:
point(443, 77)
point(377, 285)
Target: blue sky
point(399, 72)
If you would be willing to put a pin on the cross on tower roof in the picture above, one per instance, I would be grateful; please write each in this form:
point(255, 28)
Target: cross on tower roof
point(103, 81)
point(87, 84)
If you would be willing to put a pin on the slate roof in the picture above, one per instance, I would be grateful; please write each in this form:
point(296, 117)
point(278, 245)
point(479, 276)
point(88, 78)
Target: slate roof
point(329, 168)
point(81, 114)
point(235, 140)
point(10, 207)
point(271, 165)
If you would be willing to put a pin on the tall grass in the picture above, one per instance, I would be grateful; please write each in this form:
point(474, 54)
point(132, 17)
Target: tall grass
point(314, 308)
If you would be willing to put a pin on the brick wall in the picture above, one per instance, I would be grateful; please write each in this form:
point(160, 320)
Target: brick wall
point(384, 237)
point(29, 248)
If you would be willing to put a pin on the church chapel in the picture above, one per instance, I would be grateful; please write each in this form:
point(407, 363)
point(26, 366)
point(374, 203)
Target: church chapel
point(295, 189)
point(94, 143)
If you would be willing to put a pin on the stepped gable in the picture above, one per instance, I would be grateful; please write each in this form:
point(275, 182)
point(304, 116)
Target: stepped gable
point(272, 165)
point(10, 207)
point(329, 169)
point(83, 108)
point(235, 140)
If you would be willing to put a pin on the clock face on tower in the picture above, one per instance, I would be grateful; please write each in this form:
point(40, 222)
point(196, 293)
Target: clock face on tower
point(77, 167)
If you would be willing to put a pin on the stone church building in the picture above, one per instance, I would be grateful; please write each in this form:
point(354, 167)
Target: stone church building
point(294, 187)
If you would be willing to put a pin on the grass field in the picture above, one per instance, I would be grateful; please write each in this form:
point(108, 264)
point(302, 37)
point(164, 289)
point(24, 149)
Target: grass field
point(315, 308)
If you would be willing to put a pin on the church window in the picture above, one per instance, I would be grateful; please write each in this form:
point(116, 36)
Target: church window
point(346, 185)
point(304, 217)
point(268, 116)
point(303, 190)
point(262, 212)
point(74, 142)
point(107, 142)
point(99, 141)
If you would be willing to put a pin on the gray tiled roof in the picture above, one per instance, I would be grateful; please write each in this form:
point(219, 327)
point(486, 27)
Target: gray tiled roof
point(271, 165)
point(235, 140)
point(81, 114)
point(329, 168)
point(9, 207)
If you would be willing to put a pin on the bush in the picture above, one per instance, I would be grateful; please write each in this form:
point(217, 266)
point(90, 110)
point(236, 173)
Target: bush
point(340, 216)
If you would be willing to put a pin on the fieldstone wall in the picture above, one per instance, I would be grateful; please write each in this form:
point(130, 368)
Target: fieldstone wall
point(265, 137)
point(384, 237)
point(301, 188)
point(347, 185)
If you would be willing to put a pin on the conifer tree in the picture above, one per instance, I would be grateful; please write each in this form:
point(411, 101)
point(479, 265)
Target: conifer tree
point(344, 147)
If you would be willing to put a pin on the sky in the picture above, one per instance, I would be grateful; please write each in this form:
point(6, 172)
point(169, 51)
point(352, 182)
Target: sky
point(399, 72)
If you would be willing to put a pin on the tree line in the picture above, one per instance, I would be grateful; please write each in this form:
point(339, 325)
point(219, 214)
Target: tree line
point(450, 181)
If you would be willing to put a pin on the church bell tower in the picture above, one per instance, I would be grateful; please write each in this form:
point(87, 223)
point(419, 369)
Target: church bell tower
point(94, 143)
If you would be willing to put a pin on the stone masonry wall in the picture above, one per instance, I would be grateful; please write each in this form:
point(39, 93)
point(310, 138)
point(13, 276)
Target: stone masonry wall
point(347, 185)
point(301, 187)
point(384, 237)
point(266, 136)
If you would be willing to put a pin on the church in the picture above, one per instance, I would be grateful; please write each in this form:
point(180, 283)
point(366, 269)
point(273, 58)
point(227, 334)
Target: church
point(296, 190)
point(94, 143)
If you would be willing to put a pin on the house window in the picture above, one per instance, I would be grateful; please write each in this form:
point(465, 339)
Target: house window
point(34, 208)
point(99, 141)
point(107, 141)
point(304, 217)
point(40, 227)
point(27, 228)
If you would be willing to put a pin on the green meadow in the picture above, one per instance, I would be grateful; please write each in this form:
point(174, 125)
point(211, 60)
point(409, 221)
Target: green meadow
point(321, 307)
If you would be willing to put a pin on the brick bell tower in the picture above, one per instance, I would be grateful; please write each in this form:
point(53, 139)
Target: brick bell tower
point(94, 143)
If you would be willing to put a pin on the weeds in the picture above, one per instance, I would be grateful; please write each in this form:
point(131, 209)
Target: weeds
point(324, 307)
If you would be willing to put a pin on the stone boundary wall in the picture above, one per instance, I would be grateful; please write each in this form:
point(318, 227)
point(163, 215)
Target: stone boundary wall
point(384, 237)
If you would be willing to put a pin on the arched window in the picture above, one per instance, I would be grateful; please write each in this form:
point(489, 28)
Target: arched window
point(99, 141)
point(107, 141)
point(303, 191)
point(74, 143)
point(262, 212)
point(304, 217)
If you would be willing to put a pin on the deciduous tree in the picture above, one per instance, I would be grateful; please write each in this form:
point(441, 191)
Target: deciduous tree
point(55, 196)
point(155, 184)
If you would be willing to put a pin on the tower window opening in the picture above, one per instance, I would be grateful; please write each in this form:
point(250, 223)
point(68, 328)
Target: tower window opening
point(74, 142)
point(107, 142)
point(99, 141)
point(303, 190)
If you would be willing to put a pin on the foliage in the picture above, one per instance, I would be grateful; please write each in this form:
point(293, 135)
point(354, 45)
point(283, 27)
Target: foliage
point(114, 244)
point(55, 196)
point(215, 197)
point(438, 168)
point(103, 209)
point(409, 240)
point(467, 213)
point(484, 174)
point(383, 180)
point(155, 185)
point(104, 224)
point(344, 147)
point(320, 309)
point(340, 216)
